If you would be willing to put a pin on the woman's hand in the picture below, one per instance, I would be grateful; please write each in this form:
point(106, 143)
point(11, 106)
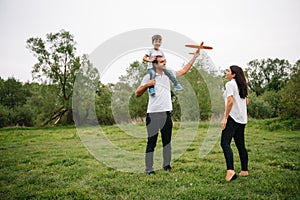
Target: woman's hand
point(223, 124)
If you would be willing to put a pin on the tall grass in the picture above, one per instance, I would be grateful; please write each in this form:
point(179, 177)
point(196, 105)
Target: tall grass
point(52, 163)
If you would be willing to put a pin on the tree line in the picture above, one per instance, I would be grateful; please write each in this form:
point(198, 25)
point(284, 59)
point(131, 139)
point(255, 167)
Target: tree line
point(68, 89)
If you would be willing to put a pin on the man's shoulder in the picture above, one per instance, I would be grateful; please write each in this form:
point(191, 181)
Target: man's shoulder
point(146, 78)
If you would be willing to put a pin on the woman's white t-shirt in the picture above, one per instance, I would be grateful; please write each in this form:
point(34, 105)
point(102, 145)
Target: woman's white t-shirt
point(239, 107)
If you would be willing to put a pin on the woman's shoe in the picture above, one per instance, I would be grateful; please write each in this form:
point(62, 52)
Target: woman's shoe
point(232, 178)
point(244, 173)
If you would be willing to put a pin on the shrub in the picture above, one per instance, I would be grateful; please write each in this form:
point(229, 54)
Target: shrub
point(259, 108)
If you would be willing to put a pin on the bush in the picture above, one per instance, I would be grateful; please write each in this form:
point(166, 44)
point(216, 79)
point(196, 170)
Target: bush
point(258, 108)
point(280, 124)
point(290, 97)
point(23, 116)
point(4, 116)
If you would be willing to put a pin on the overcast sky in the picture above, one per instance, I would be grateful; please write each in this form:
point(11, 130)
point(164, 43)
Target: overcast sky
point(239, 30)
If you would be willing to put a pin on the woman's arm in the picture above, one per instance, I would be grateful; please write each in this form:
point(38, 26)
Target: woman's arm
point(227, 111)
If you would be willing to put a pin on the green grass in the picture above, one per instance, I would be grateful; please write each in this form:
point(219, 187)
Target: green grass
point(52, 163)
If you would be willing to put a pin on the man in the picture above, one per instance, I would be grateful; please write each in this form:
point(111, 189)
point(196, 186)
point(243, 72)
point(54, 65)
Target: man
point(159, 111)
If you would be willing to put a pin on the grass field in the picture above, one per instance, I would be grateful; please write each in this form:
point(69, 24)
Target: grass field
point(53, 163)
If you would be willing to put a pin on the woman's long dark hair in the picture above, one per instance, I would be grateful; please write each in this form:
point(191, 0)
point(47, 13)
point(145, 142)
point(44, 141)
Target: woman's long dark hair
point(240, 80)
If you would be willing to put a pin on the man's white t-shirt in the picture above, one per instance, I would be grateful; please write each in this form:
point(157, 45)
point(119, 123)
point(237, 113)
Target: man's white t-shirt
point(239, 108)
point(161, 101)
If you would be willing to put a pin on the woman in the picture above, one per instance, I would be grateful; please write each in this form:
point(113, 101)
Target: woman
point(235, 119)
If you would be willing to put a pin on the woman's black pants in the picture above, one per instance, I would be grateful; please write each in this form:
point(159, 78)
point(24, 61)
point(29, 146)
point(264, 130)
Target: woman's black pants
point(237, 132)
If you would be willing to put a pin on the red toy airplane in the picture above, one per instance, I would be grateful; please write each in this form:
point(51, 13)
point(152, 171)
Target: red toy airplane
point(198, 46)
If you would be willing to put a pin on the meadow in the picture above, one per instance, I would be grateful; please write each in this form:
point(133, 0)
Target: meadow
point(53, 163)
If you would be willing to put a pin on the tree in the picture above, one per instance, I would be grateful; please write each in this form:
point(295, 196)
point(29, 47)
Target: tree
point(13, 97)
point(259, 108)
point(125, 105)
point(86, 87)
point(57, 65)
point(290, 94)
point(12, 93)
point(42, 102)
point(103, 105)
point(207, 84)
point(267, 74)
point(4, 116)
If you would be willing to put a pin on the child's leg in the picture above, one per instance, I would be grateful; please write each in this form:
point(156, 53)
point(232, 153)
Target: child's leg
point(152, 73)
point(171, 76)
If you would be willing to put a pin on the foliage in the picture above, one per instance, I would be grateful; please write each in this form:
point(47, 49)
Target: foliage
point(277, 124)
point(125, 106)
point(258, 108)
point(267, 74)
point(13, 109)
point(264, 106)
point(290, 95)
point(210, 95)
point(57, 64)
point(201, 91)
point(69, 89)
point(4, 116)
point(275, 84)
point(42, 102)
point(12, 93)
point(84, 92)
point(103, 105)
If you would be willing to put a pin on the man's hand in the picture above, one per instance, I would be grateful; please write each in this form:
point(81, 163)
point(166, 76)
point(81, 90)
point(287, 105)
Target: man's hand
point(197, 53)
point(142, 88)
point(151, 83)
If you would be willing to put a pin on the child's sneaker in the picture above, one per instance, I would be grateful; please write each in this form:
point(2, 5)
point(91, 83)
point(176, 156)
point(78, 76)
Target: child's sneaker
point(151, 91)
point(178, 87)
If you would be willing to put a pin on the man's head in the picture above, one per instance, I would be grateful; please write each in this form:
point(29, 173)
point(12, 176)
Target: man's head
point(160, 62)
point(156, 41)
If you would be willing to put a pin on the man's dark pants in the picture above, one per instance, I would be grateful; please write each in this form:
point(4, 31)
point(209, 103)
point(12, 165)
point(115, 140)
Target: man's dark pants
point(158, 121)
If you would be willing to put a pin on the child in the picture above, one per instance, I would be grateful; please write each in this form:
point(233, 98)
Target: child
point(151, 56)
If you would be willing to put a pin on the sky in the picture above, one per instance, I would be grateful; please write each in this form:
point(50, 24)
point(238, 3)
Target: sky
point(239, 30)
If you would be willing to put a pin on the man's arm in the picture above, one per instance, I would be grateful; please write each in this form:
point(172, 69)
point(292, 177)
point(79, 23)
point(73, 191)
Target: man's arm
point(188, 66)
point(142, 88)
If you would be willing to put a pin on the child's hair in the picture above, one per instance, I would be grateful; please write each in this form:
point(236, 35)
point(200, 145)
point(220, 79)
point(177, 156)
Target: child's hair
point(156, 37)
